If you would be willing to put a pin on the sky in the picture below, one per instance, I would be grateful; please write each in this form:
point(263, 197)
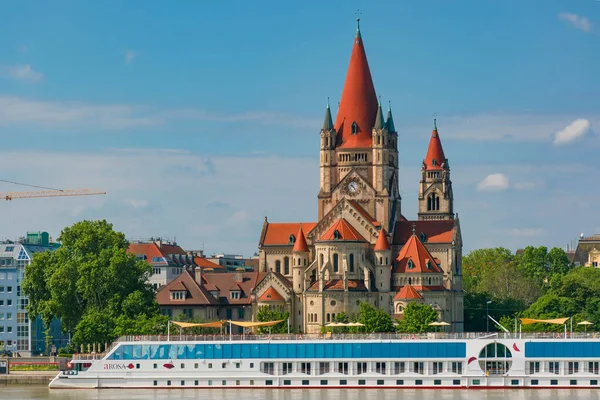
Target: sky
point(201, 118)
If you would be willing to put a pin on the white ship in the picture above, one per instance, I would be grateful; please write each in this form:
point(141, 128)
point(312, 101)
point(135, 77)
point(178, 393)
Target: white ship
point(342, 361)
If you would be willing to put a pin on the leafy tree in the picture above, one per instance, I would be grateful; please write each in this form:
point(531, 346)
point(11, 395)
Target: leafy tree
point(374, 319)
point(266, 314)
point(477, 263)
point(416, 318)
point(89, 282)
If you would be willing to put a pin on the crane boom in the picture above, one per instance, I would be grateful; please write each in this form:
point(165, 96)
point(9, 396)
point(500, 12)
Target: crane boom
point(49, 193)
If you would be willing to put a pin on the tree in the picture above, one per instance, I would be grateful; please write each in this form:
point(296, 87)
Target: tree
point(477, 263)
point(374, 319)
point(89, 282)
point(266, 314)
point(417, 317)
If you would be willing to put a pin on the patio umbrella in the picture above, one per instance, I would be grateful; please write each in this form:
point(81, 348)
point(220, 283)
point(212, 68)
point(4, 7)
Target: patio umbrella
point(585, 325)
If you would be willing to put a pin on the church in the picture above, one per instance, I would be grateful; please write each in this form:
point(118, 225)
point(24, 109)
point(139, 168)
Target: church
point(361, 247)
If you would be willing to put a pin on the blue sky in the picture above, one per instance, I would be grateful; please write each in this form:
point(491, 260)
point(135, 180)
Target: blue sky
point(198, 119)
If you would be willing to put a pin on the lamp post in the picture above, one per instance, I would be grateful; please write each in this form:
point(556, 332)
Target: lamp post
point(487, 316)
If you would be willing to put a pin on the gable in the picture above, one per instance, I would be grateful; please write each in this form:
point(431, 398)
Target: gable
point(278, 234)
point(349, 211)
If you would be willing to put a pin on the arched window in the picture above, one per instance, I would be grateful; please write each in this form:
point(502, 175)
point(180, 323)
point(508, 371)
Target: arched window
point(411, 265)
point(354, 128)
point(351, 263)
point(321, 260)
point(410, 281)
point(337, 235)
point(335, 262)
point(433, 202)
point(429, 266)
point(433, 162)
point(292, 239)
point(429, 281)
point(286, 266)
point(380, 260)
point(278, 266)
point(495, 359)
point(422, 237)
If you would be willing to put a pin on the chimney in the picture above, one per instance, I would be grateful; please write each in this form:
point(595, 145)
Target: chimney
point(238, 276)
point(198, 275)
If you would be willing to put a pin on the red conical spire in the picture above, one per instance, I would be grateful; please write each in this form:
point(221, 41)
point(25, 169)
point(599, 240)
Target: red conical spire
point(382, 242)
point(300, 244)
point(358, 106)
point(435, 153)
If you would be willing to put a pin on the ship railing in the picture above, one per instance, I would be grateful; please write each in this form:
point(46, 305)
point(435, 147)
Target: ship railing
point(355, 336)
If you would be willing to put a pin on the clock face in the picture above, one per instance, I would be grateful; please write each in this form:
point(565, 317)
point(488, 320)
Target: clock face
point(353, 187)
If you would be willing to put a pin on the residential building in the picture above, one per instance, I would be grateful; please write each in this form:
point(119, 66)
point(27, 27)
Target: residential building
point(16, 332)
point(362, 247)
point(232, 261)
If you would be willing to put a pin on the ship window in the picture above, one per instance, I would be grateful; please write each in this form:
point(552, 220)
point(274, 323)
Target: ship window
point(305, 382)
point(168, 383)
point(361, 382)
point(456, 382)
point(155, 383)
point(287, 382)
point(224, 383)
point(155, 366)
point(137, 366)
point(323, 381)
point(399, 368)
point(251, 382)
point(251, 365)
point(343, 382)
point(209, 365)
point(554, 382)
point(399, 381)
point(534, 382)
point(182, 365)
point(223, 365)
point(573, 382)
point(237, 383)
point(210, 383)
point(514, 382)
point(196, 365)
point(494, 359)
point(237, 365)
point(594, 382)
point(182, 383)
point(476, 382)
point(419, 382)
point(437, 382)
point(269, 382)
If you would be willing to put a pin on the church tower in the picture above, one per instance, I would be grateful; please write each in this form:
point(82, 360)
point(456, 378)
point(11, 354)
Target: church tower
point(359, 152)
point(435, 188)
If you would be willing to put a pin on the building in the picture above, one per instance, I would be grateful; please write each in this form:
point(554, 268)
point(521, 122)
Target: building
point(232, 261)
point(361, 247)
point(587, 251)
point(17, 330)
point(209, 296)
point(168, 260)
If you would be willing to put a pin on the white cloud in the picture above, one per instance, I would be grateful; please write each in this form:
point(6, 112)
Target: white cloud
point(576, 21)
point(130, 55)
point(21, 72)
point(89, 116)
point(494, 182)
point(573, 131)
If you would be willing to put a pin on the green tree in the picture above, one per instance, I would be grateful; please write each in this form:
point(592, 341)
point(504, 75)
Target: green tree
point(416, 318)
point(374, 319)
point(477, 264)
point(89, 282)
point(266, 314)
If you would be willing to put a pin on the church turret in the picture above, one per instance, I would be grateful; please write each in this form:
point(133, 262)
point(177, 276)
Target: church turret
point(383, 260)
point(435, 188)
point(300, 261)
point(328, 139)
point(389, 123)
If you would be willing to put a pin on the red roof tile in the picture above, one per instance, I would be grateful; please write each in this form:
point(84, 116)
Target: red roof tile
point(434, 152)
point(197, 295)
point(435, 231)
point(270, 295)
point(204, 263)
point(227, 280)
point(338, 284)
point(150, 250)
point(359, 101)
point(172, 249)
point(415, 252)
point(279, 233)
point(300, 244)
point(408, 292)
point(382, 241)
point(179, 286)
point(346, 232)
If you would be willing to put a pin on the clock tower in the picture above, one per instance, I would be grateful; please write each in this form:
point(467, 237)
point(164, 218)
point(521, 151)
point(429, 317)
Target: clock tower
point(359, 152)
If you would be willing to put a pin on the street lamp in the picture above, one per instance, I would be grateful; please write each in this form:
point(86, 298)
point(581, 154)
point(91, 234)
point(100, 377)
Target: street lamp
point(487, 312)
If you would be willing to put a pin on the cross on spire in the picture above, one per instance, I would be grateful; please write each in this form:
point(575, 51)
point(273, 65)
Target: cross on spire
point(358, 14)
point(414, 227)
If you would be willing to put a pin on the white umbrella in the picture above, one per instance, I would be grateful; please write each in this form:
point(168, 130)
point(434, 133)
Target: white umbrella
point(585, 325)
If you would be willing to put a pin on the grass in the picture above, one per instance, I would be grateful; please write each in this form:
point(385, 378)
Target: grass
point(34, 367)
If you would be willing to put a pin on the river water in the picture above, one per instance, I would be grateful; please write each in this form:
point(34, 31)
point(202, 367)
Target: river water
point(18, 392)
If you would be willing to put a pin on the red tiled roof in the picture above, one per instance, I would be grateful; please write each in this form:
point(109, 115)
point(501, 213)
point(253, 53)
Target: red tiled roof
point(279, 233)
point(172, 249)
point(434, 152)
point(300, 245)
point(364, 213)
point(408, 292)
point(435, 231)
point(150, 250)
point(179, 286)
point(197, 295)
point(227, 280)
point(382, 241)
point(421, 288)
point(359, 101)
point(346, 231)
point(271, 295)
point(338, 284)
point(204, 263)
point(414, 251)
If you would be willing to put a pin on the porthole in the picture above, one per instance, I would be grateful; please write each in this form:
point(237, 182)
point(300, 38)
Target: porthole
point(333, 303)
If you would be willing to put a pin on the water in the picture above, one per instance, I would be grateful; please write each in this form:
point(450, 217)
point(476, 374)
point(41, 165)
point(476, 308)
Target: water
point(19, 392)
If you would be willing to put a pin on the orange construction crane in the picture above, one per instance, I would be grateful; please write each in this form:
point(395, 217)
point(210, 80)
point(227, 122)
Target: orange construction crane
point(49, 193)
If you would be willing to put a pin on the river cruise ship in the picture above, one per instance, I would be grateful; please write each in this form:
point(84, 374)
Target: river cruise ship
point(433, 360)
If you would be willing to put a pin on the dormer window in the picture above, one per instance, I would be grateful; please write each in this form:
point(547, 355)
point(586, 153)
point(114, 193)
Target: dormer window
point(292, 239)
point(235, 294)
point(178, 295)
point(214, 293)
point(428, 264)
point(422, 237)
point(337, 235)
point(354, 128)
point(411, 265)
point(433, 162)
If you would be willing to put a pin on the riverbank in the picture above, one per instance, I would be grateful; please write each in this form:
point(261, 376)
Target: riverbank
point(27, 378)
